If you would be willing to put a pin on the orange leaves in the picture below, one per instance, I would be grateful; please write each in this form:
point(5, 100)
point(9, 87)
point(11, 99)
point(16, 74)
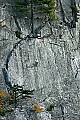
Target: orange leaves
point(6, 102)
point(1, 102)
point(37, 108)
point(4, 97)
point(4, 94)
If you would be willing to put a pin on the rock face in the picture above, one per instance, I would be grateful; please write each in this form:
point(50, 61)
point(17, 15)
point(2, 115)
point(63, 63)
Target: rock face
point(49, 65)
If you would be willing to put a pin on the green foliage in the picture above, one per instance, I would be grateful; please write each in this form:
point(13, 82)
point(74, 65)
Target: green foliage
point(50, 107)
point(18, 34)
point(74, 8)
point(5, 108)
point(21, 3)
point(9, 102)
point(23, 9)
point(45, 7)
point(18, 93)
point(51, 103)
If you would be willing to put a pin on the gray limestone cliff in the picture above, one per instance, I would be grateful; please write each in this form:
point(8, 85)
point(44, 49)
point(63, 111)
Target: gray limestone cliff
point(50, 65)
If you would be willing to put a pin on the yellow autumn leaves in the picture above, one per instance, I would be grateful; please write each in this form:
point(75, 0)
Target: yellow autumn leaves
point(4, 94)
point(5, 104)
point(53, 8)
point(37, 107)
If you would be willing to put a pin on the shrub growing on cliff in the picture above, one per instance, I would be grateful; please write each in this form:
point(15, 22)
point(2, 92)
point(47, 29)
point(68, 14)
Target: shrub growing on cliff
point(38, 7)
point(6, 103)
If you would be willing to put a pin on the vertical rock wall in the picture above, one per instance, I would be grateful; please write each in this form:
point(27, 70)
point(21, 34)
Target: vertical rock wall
point(57, 73)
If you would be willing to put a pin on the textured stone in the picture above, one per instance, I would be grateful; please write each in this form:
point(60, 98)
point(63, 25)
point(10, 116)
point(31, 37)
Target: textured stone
point(57, 73)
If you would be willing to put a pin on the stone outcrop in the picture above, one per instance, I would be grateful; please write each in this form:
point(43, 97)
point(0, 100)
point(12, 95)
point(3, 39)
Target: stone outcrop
point(50, 65)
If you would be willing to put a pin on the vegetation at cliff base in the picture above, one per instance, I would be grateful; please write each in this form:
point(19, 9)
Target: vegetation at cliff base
point(6, 102)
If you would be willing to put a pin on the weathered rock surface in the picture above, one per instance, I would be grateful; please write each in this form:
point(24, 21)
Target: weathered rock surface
point(57, 73)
